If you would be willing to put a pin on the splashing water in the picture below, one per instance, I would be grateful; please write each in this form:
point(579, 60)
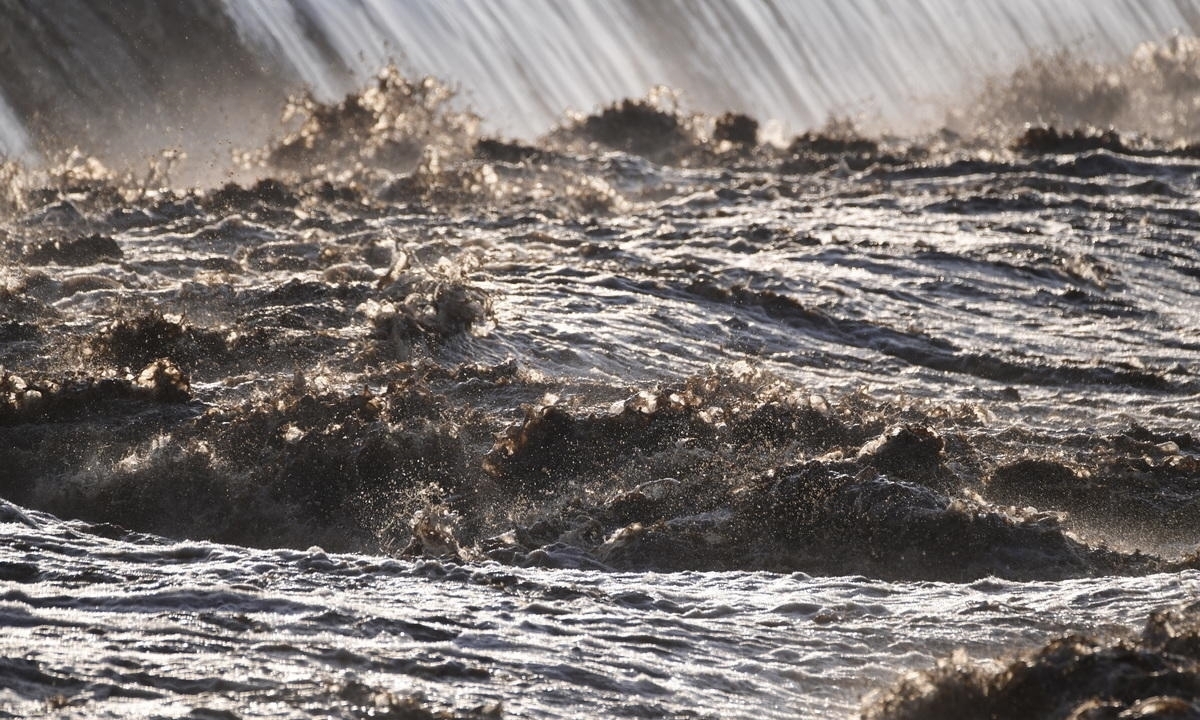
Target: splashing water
point(642, 417)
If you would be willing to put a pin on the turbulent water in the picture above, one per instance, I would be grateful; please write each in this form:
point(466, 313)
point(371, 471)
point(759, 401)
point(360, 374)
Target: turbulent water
point(105, 623)
point(644, 417)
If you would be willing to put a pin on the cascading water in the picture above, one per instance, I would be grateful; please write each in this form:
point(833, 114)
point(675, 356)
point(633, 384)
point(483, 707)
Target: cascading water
point(898, 65)
point(524, 63)
point(14, 141)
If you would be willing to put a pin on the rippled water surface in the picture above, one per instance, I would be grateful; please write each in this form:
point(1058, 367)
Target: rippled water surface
point(123, 625)
point(1041, 307)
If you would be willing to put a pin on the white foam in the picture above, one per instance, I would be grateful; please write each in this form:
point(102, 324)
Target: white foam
point(14, 140)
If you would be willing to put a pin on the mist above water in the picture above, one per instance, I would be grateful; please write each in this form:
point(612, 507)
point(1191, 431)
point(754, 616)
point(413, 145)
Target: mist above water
point(120, 79)
point(13, 139)
point(523, 64)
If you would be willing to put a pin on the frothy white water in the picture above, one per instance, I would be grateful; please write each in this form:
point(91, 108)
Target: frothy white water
point(139, 627)
point(14, 141)
point(523, 63)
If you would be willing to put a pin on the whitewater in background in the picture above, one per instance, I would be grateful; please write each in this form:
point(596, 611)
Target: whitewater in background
point(524, 63)
point(14, 142)
point(94, 75)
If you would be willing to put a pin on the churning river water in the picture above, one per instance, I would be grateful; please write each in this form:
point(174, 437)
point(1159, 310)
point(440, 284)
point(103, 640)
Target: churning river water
point(644, 417)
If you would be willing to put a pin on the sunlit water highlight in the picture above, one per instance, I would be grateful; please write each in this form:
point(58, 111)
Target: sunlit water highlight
point(137, 627)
